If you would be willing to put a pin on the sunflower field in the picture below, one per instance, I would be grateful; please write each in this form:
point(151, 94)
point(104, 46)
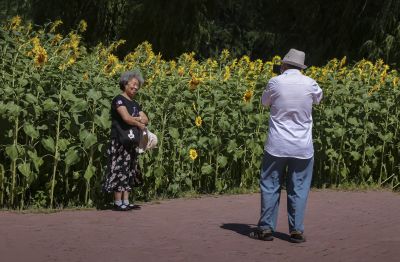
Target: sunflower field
point(55, 123)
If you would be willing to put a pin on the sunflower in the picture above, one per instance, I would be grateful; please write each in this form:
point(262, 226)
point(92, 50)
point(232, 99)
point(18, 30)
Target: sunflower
point(224, 55)
point(342, 62)
point(198, 121)
point(395, 81)
point(85, 76)
point(193, 154)
point(194, 82)
point(74, 41)
point(181, 71)
point(57, 38)
point(276, 60)
point(55, 25)
point(35, 41)
point(82, 26)
point(227, 73)
point(247, 96)
point(112, 62)
point(15, 22)
point(40, 56)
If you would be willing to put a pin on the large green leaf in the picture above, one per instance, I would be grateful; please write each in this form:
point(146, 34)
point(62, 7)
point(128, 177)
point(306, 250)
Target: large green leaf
point(231, 146)
point(206, 169)
point(12, 152)
point(49, 105)
point(79, 106)
point(94, 95)
point(31, 131)
point(339, 132)
point(48, 144)
point(353, 121)
point(188, 181)
point(13, 109)
point(83, 134)
point(71, 157)
point(173, 188)
point(238, 154)
point(63, 144)
point(247, 107)
point(174, 132)
point(38, 110)
point(68, 95)
point(103, 120)
point(222, 161)
point(203, 141)
point(386, 137)
point(23, 82)
point(3, 110)
point(90, 170)
point(76, 175)
point(356, 156)
point(158, 171)
point(31, 98)
point(90, 140)
point(25, 169)
point(37, 161)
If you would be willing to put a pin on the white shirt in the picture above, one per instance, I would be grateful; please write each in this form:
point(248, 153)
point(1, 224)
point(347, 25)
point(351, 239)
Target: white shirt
point(291, 96)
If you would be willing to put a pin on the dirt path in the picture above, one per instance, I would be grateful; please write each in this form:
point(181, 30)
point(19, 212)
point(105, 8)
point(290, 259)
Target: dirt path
point(340, 226)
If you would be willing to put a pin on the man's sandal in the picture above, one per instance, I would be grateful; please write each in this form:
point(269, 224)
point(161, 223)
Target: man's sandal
point(297, 237)
point(265, 235)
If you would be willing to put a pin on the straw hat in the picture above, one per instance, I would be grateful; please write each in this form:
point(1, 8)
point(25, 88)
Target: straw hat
point(295, 58)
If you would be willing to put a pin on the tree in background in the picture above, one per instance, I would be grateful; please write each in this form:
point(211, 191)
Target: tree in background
point(385, 42)
point(260, 29)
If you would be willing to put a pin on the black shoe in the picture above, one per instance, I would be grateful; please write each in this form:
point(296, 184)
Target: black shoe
point(297, 237)
point(262, 234)
point(121, 207)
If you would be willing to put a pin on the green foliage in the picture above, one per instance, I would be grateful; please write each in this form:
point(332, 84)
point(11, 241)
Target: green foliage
point(211, 127)
point(323, 29)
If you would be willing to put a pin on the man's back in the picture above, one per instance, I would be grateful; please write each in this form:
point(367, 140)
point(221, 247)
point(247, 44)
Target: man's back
point(291, 96)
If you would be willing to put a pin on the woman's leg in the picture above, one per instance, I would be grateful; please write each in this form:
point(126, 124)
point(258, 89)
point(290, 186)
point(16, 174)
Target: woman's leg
point(117, 196)
point(125, 197)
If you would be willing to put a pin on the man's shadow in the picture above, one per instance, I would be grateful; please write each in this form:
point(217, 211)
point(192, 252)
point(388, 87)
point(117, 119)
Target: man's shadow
point(245, 229)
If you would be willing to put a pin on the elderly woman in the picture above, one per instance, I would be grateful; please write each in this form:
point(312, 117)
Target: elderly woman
point(123, 171)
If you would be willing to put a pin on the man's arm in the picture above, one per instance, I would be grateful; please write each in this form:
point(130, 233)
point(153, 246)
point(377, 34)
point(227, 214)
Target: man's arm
point(267, 94)
point(317, 93)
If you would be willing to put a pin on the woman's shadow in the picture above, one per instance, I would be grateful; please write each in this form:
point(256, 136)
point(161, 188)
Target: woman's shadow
point(245, 229)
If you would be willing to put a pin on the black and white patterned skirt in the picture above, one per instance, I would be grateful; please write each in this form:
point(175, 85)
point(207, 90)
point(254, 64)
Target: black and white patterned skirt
point(122, 171)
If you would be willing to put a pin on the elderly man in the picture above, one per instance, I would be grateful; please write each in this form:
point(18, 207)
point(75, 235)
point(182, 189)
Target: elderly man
point(289, 147)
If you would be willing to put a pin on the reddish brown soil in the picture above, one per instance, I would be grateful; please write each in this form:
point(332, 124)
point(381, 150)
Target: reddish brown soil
point(340, 226)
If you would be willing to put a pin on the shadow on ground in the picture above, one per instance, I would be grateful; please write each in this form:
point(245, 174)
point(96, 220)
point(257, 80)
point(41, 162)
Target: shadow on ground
point(245, 229)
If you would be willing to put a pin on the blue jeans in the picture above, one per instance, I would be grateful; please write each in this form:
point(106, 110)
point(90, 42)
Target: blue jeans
point(298, 182)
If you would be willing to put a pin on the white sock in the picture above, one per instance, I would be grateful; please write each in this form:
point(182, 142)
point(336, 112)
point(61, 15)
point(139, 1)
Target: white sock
point(118, 202)
point(125, 202)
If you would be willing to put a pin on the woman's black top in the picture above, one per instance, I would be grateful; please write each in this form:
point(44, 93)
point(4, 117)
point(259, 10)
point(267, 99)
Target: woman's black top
point(133, 109)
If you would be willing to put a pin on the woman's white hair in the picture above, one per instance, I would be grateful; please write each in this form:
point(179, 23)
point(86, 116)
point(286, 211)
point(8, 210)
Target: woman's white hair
point(128, 76)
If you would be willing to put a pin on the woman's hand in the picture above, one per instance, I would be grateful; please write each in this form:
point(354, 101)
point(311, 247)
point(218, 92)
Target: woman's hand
point(143, 118)
point(140, 125)
point(139, 121)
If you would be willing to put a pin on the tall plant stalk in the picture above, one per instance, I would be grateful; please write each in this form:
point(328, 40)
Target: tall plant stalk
point(56, 151)
point(383, 148)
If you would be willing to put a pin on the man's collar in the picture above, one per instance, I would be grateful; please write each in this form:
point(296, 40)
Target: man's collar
point(292, 71)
